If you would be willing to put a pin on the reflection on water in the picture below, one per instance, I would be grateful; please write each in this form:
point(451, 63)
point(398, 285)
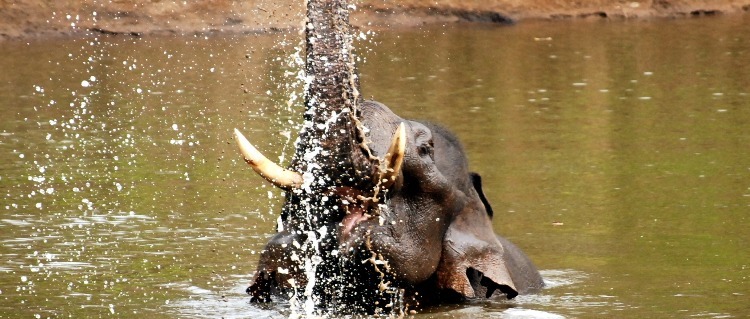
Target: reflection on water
point(527, 306)
point(203, 303)
point(615, 154)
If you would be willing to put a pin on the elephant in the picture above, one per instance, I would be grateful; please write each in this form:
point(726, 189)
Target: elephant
point(427, 234)
point(381, 214)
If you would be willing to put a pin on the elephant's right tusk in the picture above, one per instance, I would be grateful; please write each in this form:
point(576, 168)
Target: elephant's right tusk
point(394, 158)
point(282, 178)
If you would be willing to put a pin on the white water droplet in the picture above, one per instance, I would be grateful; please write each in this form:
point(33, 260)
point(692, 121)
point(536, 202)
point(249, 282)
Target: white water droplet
point(85, 83)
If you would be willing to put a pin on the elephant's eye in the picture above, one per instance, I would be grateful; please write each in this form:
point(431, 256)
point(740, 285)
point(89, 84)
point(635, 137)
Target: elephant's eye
point(426, 149)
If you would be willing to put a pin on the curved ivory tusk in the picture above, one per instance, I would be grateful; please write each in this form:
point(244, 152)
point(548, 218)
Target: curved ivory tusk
point(282, 178)
point(394, 157)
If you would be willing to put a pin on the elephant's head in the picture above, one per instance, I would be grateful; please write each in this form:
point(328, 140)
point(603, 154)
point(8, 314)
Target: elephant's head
point(422, 225)
point(434, 222)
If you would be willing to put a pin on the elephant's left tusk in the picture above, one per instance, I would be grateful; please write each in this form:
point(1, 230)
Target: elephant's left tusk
point(394, 158)
point(282, 178)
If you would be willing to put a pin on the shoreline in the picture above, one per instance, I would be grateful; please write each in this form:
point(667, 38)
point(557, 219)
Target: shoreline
point(44, 19)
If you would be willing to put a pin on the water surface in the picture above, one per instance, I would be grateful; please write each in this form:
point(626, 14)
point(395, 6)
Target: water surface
point(616, 154)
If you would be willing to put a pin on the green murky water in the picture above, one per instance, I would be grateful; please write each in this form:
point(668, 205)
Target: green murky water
point(617, 154)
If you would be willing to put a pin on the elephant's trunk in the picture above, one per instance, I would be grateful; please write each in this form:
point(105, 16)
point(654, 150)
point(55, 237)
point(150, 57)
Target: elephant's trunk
point(332, 167)
point(332, 156)
point(331, 140)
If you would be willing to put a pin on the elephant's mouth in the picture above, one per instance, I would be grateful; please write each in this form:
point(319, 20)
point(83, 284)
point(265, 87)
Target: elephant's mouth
point(355, 206)
point(350, 222)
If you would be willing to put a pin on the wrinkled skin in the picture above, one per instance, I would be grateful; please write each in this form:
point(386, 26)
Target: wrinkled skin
point(429, 236)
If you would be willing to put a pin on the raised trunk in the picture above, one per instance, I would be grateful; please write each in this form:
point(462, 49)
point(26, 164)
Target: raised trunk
point(330, 153)
point(330, 146)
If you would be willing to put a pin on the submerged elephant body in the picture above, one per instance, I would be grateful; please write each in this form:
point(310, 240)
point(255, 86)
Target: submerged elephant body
point(428, 235)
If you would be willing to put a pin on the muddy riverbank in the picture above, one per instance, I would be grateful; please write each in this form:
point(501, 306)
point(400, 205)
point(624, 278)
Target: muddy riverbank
point(44, 18)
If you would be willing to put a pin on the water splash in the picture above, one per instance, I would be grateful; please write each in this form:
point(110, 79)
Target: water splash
point(81, 193)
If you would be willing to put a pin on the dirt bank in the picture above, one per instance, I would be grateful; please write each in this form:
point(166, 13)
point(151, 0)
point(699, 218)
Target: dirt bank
point(41, 18)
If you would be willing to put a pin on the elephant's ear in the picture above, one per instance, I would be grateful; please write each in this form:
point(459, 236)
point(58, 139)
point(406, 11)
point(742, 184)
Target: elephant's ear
point(473, 259)
point(476, 180)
